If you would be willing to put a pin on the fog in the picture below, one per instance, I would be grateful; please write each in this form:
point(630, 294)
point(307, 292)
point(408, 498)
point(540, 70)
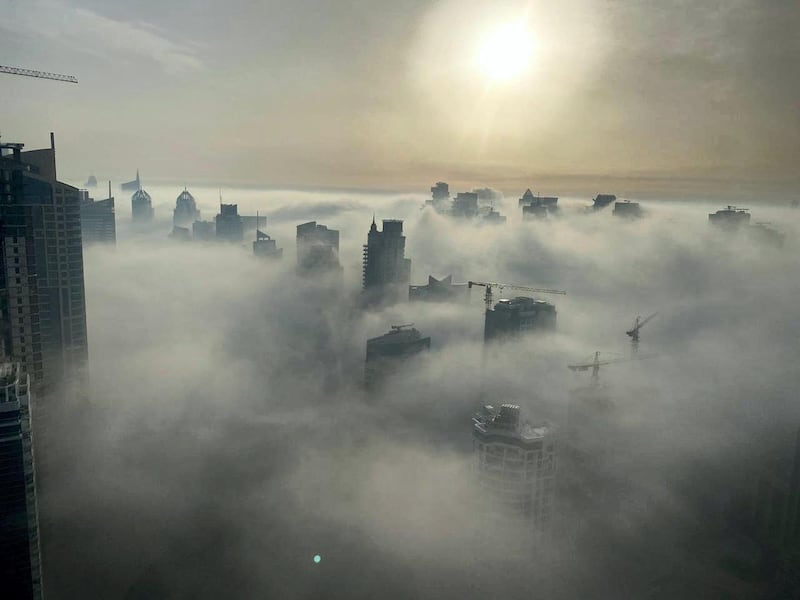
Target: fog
point(228, 438)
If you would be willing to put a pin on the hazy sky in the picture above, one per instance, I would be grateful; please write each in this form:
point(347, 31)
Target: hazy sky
point(386, 94)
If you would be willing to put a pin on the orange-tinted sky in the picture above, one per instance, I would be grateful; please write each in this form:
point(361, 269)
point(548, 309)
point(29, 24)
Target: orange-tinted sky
point(386, 94)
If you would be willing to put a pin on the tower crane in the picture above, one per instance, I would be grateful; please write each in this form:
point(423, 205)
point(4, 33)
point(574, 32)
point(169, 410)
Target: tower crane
point(39, 74)
point(633, 333)
point(597, 363)
point(487, 296)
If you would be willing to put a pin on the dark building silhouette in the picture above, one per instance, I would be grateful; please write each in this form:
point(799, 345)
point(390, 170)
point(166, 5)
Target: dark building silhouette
point(465, 205)
point(440, 197)
point(490, 216)
point(387, 354)
point(730, 218)
point(317, 248)
point(136, 184)
point(186, 211)
point(627, 209)
point(537, 207)
point(42, 299)
point(386, 271)
point(514, 316)
point(265, 247)
point(91, 182)
point(98, 224)
point(204, 231)
point(603, 200)
point(229, 224)
point(20, 558)
point(439, 290)
point(141, 207)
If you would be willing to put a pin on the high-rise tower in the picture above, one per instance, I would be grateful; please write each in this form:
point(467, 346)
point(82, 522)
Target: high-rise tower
point(42, 301)
point(386, 269)
point(20, 559)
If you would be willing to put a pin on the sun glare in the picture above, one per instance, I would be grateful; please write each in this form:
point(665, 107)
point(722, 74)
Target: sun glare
point(505, 53)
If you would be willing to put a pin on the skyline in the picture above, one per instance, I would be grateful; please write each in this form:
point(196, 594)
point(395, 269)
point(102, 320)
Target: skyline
point(613, 93)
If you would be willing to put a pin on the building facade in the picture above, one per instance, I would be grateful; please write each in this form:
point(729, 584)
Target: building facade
point(20, 556)
point(42, 298)
point(517, 315)
point(515, 464)
point(229, 224)
point(98, 224)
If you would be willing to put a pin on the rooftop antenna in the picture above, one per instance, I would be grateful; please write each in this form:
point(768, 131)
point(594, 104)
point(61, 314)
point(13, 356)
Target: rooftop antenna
point(109, 188)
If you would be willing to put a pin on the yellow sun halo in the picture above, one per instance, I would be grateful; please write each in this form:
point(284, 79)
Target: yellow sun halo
point(505, 52)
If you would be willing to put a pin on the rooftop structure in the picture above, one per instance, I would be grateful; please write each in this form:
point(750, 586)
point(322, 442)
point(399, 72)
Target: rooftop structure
point(386, 270)
point(180, 234)
point(603, 200)
point(317, 248)
point(20, 567)
point(98, 224)
point(440, 197)
point(492, 217)
point(186, 211)
point(515, 464)
point(627, 209)
point(128, 186)
point(91, 182)
point(265, 247)
point(510, 317)
point(141, 207)
point(439, 290)
point(387, 354)
point(229, 224)
point(730, 217)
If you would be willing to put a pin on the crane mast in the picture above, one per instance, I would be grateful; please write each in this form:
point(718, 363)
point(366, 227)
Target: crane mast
point(38, 74)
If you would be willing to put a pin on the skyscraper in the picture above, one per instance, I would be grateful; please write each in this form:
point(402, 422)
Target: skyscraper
point(98, 225)
point(317, 248)
point(42, 302)
point(515, 465)
point(386, 271)
point(229, 223)
point(141, 207)
point(186, 211)
point(511, 317)
point(20, 559)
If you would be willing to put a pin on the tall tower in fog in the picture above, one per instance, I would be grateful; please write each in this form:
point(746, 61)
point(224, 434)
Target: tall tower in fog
point(141, 207)
point(515, 464)
point(385, 267)
point(20, 560)
point(42, 303)
point(185, 212)
point(317, 248)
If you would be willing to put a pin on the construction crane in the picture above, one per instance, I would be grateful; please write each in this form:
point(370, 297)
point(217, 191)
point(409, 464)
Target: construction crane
point(633, 332)
point(39, 74)
point(597, 363)
point(487, 296)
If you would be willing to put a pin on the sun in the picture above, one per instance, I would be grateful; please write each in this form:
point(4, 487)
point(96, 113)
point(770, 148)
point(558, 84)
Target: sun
point(505, 53)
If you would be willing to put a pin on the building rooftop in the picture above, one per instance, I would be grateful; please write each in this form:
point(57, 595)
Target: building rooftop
point(505, 422)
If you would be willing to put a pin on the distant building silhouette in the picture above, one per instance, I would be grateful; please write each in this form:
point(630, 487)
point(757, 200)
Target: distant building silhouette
point(387, 354)
point(537, 207)
point(91, 182)
point(317, 248)
point(440, 197)
point(180, 234)
point(186, 211)
point(265, 247)
point(20, 565)
point(141, 207)
point(603, 200)
point(98, 223)
point(204, 231)
point(439, 290)
point(386, 271)
point(627, 209)
point(514, 316)
point(229, 224)
point(129, 186)
point(730, 218)
point(465, 205)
